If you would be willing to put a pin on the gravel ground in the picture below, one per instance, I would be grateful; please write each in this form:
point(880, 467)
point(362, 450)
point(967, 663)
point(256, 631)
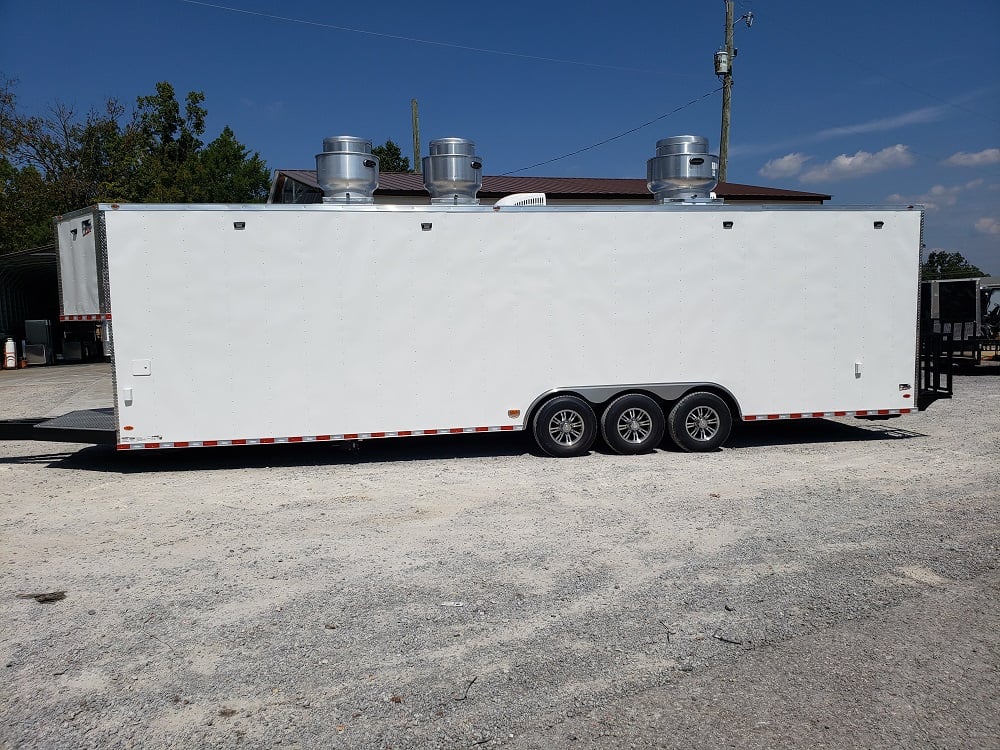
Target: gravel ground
point(822, 584)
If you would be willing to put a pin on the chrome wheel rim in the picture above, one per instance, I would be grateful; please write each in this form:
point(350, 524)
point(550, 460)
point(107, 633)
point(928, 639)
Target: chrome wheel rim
point(566, 427)
point(702, 423)
point(635, 425)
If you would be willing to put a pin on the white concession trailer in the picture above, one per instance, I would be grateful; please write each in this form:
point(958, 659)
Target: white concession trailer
point(346, 320)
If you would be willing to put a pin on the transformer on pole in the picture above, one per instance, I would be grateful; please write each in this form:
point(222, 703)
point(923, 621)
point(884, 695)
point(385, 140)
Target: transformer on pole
point(724, 69)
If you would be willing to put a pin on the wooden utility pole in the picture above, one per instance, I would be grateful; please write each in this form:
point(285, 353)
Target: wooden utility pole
point(727, 94)
point(416, 136)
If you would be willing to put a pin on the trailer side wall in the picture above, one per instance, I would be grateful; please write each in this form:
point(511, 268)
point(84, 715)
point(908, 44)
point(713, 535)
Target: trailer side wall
point(318, 322)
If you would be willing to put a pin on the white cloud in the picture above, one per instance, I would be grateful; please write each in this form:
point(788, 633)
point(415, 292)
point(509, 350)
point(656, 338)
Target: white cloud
point(274, 107)
point(882, 124)
point(978, 159)
point(933, 199)
point(913, 117)
point(988, 226)
point(937, 197)
point(861, 164)
point(785, 166)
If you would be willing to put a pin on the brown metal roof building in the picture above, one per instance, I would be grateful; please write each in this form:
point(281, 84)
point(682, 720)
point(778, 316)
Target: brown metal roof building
point(300, 186)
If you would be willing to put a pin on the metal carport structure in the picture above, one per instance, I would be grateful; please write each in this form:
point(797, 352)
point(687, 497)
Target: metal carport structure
point(29, 289)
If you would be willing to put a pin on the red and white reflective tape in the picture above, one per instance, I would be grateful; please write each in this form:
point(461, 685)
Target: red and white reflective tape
point(98, 316)
point(311, 438)
point(821, 414)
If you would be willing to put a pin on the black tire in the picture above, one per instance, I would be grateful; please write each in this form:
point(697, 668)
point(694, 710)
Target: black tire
point(565, 426)
point(700, 422)
point(632, 424)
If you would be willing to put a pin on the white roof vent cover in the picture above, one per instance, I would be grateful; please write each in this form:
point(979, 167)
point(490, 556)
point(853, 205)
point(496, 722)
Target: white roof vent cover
point(521, 199)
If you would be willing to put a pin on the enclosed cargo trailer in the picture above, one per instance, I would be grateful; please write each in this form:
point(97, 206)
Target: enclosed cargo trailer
point(262, 324)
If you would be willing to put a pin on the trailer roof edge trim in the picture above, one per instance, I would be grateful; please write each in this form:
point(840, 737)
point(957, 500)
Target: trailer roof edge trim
point(428, 208)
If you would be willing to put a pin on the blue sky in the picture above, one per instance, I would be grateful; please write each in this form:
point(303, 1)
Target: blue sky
point(874, 102)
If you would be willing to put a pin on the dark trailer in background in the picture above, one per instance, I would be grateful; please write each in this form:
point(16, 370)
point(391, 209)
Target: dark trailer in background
point(966, 312)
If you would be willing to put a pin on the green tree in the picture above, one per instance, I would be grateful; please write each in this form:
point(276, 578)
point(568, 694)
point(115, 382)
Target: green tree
point(172, 144)
point(944, 265)
point(26, 208)
point(159, 116)
point(390, 158)
point(226, 172)
point(60, 162)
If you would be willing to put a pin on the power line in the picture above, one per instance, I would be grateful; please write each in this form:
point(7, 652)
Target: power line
point(485, 50)
point(448, 45)
point(614, 137)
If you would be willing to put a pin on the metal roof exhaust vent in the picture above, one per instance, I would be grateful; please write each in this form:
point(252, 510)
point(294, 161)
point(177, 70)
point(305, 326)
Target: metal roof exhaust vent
point(453, 174)
point(347, 171)
point(682, 170)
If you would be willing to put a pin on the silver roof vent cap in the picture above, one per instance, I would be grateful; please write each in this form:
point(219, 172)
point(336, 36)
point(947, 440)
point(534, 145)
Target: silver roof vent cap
point(682, 170)
point(347, 170)
point(453, 174)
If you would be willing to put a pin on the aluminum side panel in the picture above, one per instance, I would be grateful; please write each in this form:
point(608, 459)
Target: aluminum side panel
point(78, 275)
point(309, 322)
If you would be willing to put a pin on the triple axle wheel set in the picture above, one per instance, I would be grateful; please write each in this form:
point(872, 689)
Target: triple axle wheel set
point(567, 425)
